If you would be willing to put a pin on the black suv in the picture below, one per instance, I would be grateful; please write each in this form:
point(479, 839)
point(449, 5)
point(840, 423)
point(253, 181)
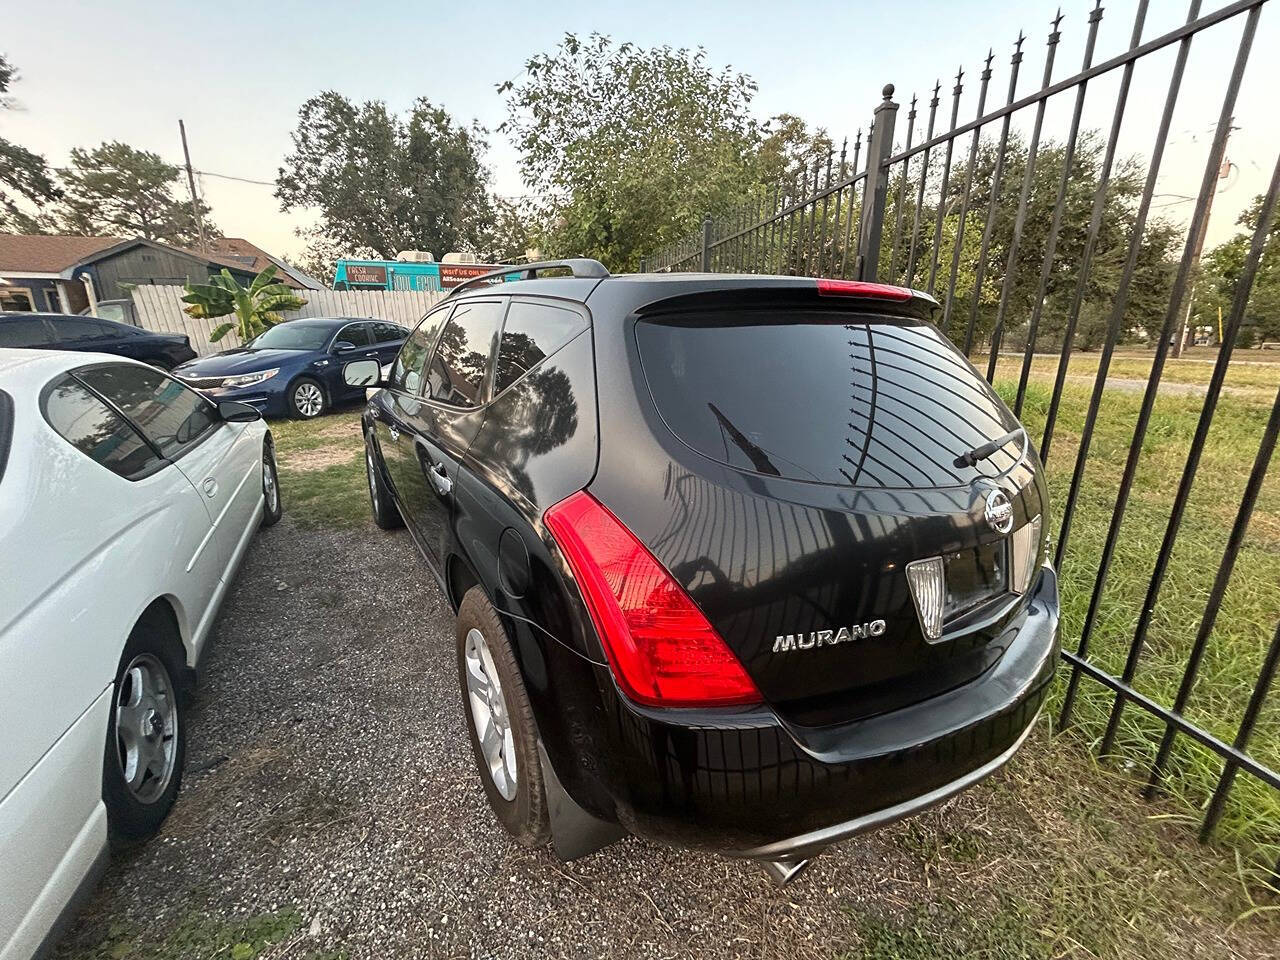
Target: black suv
point(741, 563)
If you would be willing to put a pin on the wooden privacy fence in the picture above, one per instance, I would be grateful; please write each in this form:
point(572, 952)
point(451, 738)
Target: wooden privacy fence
point(159, 308)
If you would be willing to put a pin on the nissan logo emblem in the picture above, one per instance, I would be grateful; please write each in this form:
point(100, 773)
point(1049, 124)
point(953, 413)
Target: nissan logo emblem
point(999, 512)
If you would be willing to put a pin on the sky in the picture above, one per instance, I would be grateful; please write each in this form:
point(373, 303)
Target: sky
point(237, 72)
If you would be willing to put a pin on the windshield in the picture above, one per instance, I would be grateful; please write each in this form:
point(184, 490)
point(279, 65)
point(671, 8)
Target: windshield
point(112, 311)
point(293, 335)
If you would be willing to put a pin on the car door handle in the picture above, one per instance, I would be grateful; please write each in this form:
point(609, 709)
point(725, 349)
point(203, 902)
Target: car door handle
point(439, 479)
point(372, 353)
point(210, 486)
point(394, 434)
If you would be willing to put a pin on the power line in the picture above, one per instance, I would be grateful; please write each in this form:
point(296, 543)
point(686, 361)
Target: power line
point(227, 176)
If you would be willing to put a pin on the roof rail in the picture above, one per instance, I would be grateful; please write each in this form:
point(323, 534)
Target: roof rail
point(583, 267)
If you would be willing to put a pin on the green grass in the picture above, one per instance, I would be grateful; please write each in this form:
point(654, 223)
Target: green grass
point(1058, 857)
point(1250, 609)
point(200, 937)
point(1247, 375)
point(322, 474)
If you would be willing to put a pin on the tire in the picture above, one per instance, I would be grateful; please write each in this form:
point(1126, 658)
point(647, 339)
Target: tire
point(146, 743)
point(306, 399)
point(273, 507)
point(383, 505)
point(516, 795)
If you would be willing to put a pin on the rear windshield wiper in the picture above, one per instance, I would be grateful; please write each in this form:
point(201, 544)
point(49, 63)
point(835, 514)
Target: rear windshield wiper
point(987, 449)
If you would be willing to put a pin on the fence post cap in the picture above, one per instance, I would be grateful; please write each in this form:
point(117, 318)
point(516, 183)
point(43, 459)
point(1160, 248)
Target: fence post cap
point(887, 92)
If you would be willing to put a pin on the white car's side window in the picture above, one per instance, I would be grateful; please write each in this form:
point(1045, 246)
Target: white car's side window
point(97, 431)
point(172, 416)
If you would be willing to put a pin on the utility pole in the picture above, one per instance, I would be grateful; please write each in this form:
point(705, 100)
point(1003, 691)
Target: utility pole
point(1223, 169)
point(191, 182)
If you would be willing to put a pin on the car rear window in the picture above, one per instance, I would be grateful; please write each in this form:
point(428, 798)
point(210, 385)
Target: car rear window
point(96, 430)
point(846, 399)
point(23, 332)
point(75, 329)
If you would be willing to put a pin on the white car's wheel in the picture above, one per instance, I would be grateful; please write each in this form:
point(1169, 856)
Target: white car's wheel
point(146, 733)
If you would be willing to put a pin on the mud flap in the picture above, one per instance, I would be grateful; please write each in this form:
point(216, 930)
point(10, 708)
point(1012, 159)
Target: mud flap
point(574, 832)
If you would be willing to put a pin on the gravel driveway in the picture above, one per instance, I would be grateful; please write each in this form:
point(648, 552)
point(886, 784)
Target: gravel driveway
point(328, 770)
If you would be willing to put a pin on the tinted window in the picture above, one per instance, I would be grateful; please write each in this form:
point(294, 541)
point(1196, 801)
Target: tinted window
point(294, 335)
point(462, 359)
point(26, 332)
point(356, 334)
point(388, 332)
point(532, 332)
point(834, 398)
point(406, 372)
point(77, 328)
point(96, 430)
point(172, 416)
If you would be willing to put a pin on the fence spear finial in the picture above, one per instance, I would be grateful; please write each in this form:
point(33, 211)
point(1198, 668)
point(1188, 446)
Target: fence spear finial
point(1054, 35)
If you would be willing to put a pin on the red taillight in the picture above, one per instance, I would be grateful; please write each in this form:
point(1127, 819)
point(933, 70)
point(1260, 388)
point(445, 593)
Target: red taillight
point(662, 649)
point(859, 288)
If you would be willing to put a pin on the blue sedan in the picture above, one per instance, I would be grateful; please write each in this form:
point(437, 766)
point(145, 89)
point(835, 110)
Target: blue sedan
point(294, 369)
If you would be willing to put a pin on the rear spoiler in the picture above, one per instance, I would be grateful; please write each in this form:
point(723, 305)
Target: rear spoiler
point(729, 291)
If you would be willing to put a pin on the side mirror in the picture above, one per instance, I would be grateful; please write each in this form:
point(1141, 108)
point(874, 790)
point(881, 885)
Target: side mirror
point(362, 373)
point(233, 411)
point(342, 346)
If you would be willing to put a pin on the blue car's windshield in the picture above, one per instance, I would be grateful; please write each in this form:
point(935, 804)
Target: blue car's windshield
point(294, 335)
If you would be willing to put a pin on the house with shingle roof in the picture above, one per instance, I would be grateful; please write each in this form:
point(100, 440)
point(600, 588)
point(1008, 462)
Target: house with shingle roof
point(256, 259)
point(67, 274)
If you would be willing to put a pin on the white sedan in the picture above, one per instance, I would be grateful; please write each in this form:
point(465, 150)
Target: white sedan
point(126, 503)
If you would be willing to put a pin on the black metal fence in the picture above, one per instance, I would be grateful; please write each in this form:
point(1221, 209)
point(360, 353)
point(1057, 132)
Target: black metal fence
point(900, 214)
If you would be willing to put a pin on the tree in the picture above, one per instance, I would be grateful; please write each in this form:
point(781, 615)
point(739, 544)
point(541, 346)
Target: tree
point(386, 183)
point(510, 234)
point(1151, 285)
point(114, 189)
point(255, 307)
point(1220, 272)
point(628, 148)
point(24, 176)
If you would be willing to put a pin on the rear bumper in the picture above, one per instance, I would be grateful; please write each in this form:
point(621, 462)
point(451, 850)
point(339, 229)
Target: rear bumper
point(815, 841)
point(747, 784)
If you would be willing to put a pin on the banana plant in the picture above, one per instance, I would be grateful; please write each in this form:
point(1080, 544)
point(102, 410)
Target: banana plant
point(255, 307)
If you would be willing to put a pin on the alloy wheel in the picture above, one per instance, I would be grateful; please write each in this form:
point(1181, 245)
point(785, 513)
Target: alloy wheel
point(146, 727)
point(489, 714)
point(308, 399)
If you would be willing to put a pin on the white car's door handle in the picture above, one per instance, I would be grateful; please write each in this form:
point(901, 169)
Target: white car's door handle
point(210, 486)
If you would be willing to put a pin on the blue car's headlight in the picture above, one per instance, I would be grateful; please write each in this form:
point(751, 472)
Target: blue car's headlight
point(249, 379)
